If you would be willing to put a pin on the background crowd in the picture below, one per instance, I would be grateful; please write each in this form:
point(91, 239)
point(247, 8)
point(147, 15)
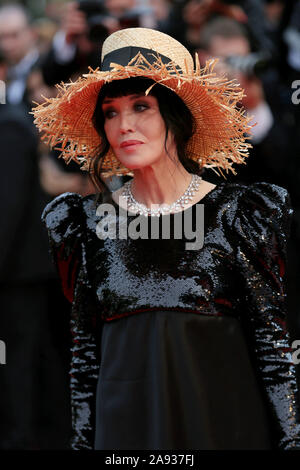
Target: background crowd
point(45, 42)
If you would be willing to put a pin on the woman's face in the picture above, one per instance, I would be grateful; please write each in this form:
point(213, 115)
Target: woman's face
point(135, 130)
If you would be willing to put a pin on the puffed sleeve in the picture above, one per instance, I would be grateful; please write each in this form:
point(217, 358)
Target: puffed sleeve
point(261, 226)
point(65, 222)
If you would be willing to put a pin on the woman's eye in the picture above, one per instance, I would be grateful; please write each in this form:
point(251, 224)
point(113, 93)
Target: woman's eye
point(109, 113)
point(140, 107)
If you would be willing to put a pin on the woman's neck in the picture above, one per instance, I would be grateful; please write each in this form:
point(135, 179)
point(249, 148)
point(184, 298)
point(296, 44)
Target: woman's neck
point(152, 186)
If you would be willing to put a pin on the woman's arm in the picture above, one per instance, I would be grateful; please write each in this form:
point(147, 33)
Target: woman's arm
point(66, 224)
point(261, 226)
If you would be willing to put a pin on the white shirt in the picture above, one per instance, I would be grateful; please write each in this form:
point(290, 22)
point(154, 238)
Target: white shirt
point(17, 77)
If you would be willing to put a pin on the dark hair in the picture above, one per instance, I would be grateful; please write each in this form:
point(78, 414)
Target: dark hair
point(177, 118)
point(227, 28)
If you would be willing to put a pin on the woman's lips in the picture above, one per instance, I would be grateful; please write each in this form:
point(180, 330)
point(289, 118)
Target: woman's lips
point(130, 143)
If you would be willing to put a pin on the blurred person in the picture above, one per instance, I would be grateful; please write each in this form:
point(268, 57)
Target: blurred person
point(277, 13)
point(161, 11)
point(34, 410)
point(119, 7)
point(273, 10)
point(228, 40)
point(18, 45)
point(256, 25)
point(37, 90)
point(45, 30)
point(54, 177)
point(3, 67)
point(131, 13)
point(187, 18)
point(56, 180)
point(84, 26)
point(73, 50)
point(279, 17)
point(292, 39)
point(196, 14)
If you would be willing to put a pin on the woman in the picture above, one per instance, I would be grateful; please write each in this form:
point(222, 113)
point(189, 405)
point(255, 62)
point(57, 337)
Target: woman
point(191, 340)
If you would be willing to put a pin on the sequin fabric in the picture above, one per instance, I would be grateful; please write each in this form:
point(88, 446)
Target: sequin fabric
point(238, 272)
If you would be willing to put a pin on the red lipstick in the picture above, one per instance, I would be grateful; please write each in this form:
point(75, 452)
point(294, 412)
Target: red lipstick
point(128, 143)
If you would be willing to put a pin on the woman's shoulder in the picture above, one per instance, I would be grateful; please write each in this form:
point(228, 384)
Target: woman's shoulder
point(237, 190)
point(61, 209)
point(251, 209)
point(253, 197)
point(261, 211)
point(67, 204)
point(66, 216)
point(260, 196)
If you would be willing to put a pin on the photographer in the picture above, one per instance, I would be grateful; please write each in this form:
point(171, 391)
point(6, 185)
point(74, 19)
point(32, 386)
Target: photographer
point(228, 40)
point(188, 17)
point(77, 44)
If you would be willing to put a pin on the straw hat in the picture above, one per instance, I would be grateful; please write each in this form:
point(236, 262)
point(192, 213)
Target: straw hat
point(221, 128)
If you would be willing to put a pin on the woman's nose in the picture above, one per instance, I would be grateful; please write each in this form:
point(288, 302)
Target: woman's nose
point(127, 123)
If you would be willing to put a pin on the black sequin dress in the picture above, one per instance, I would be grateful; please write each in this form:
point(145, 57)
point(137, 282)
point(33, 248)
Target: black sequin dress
point(179, 348)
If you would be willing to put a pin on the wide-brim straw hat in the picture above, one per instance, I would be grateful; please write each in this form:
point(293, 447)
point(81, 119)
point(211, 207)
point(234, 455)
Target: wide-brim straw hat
point(221, 127)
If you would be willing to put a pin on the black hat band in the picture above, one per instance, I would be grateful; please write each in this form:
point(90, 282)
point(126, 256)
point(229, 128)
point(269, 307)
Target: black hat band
point(124, 55)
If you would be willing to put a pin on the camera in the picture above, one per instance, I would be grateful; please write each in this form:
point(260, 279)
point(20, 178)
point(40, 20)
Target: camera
point(95, 14)
point(254, 63)
point(130, 19)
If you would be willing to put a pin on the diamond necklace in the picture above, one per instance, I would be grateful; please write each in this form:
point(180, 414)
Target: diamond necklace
point(163, 208)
